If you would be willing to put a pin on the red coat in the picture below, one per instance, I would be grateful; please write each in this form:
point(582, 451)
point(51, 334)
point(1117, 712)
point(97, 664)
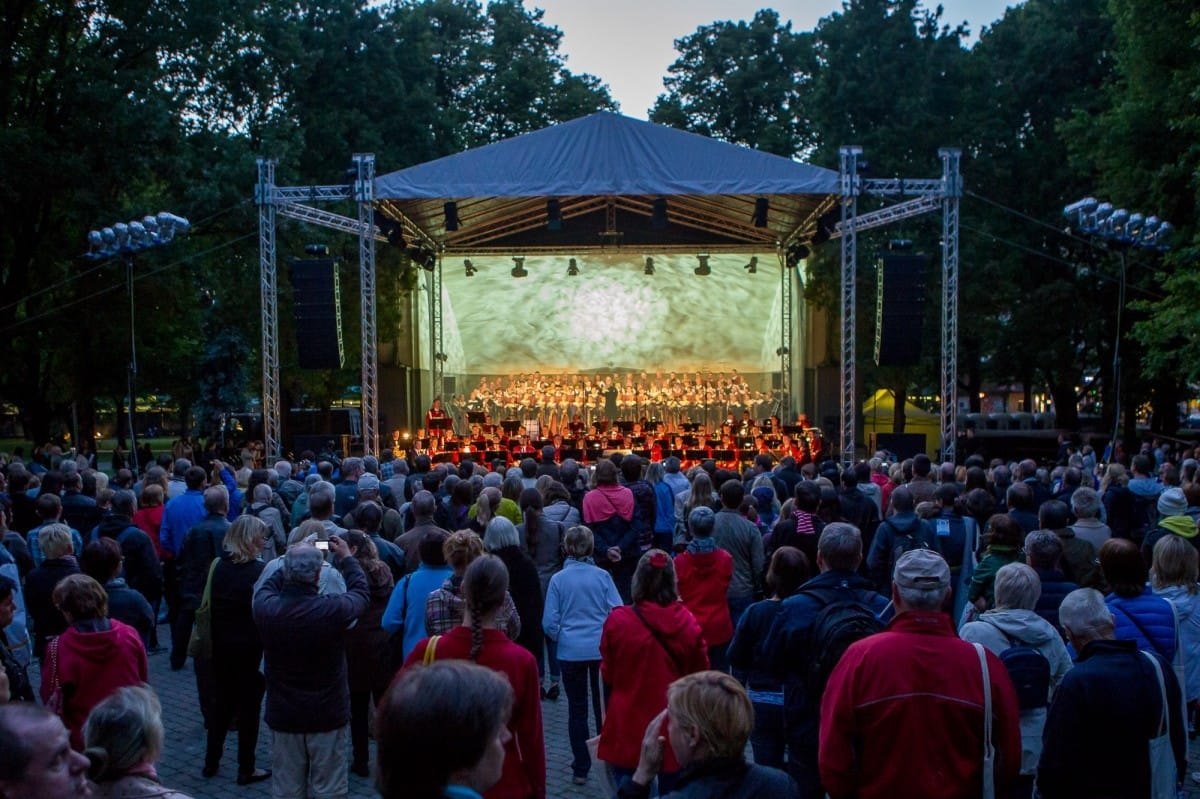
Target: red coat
point(524, 772)
point(902, 716)
point(639, 670)
point(91, 666)
point(703, 586)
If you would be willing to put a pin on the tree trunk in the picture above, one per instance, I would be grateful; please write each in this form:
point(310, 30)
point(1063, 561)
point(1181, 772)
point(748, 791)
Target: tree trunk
point(122, 421)
point(900, 392)
point(1066, 405)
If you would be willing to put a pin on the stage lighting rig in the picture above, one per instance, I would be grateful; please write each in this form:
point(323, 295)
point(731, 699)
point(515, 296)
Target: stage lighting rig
point(649, 267)
point(703, 269)
point(468, 268)
point(572, 268)
point(518, 269)
point(752, 266)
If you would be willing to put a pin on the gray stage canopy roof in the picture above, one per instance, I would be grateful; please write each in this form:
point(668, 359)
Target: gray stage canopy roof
point(606, 171)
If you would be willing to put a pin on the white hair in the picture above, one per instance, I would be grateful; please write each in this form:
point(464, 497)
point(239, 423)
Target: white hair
point(1084, 614)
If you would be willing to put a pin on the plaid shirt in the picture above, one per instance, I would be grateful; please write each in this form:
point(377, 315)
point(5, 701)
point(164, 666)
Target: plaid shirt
point(444, 611)
point(386, 470)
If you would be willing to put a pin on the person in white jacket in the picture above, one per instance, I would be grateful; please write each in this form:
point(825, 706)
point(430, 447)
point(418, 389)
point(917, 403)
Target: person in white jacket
point(1013, 622)
point(578, 602)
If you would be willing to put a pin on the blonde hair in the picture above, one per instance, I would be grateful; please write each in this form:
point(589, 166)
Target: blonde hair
point(55, 540)
point(717, 705)
point(241, 540)
point(306, 528)
point(1113, 473)
point(1176, 562)
point(461, 548)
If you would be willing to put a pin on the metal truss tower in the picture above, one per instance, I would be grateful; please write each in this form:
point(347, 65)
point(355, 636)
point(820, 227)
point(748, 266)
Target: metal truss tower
point(928, 194)
point(269, 291)
point(787, 337)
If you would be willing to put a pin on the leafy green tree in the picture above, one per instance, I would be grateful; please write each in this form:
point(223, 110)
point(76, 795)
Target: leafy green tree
point(742, 82)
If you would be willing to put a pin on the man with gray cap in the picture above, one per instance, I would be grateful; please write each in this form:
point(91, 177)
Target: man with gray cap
point(1173, 519)
point(423, 507)
point(903, 713)
point(308, 696)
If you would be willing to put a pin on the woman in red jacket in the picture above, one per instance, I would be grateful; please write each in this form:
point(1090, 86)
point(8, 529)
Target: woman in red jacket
point(644, 648)
point(93, 658)
point(705, 571)
point(484, 588)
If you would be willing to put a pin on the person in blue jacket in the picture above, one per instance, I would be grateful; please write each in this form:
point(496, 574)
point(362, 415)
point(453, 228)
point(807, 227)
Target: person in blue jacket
point(1138, 613)
point(405, 613)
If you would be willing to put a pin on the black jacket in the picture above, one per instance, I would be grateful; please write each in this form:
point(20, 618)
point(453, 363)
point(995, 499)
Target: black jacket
point(39, 585)
point(1105, 710)
point(525, 588)
point(1055, 587)
point(143, 572)
point(129, 606)
point(201, 546)
point(79, 511)
point(304, 643)
point(723, 778)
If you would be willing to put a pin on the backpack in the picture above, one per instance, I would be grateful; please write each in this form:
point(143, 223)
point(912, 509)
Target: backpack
point(1029, 671)
point(905, 542)
point(843, 620)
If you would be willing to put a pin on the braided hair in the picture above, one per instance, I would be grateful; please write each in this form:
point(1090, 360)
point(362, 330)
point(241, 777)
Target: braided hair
point(484, 588)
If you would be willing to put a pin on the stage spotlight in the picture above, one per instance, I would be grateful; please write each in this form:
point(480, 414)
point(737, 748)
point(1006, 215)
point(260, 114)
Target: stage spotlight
point(752, 266)
point(426, 259)
point(1081, 207)
point(518, 269)
point(760, 212)
point(649, 268)
point(469, 268)
point(572, 268)
point(450, 210)
point(703, 268)
point(553, 214)
point(390, 228)
point(658, 214)
point(795, 254)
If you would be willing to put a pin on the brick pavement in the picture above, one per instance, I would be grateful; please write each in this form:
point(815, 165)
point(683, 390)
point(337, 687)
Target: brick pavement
point(183, 750)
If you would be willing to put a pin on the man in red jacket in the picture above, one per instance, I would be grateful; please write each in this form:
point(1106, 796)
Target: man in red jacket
point(903, 713)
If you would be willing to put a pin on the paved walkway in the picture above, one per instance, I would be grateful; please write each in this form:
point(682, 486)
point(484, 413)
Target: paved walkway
point(183, 751)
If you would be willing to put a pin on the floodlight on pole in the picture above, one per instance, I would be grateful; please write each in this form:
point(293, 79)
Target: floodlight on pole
point(125, 240)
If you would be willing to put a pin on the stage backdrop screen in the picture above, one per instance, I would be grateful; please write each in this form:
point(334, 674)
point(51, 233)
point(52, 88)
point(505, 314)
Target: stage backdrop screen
point(611, 315)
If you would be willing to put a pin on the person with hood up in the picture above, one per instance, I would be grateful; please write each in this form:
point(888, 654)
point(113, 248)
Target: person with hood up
point(608, 511)
point(900, 532)
point(94, 656)
point(644, 648)
point(1014, 622)
point(704, 571)
point(1173, 519)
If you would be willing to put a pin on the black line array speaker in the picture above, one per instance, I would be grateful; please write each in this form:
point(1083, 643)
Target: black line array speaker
point(900, 309)
point(317, 307)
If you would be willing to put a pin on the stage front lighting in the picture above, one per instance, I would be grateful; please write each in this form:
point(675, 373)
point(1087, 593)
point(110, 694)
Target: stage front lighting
point(518, 269)
point(572, 268)
point(752, 266)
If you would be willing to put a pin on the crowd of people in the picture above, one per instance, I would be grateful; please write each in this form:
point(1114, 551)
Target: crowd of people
point(898, 629)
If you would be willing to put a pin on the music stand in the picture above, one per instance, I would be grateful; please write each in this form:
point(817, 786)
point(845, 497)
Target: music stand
point(625, 426)
point(695, 454)
point(510, 426)
point(690, 427)
point(444, 457)
point(793, 430)
point(476, 417)
point(440, 423)
point(473, 456)
point(723, 455)
point(642, 453)
point(674, 453)
point(574, 454)
point(496, 455)
point(691, 441)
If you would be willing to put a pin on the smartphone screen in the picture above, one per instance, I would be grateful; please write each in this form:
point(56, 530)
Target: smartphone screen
point(319, 544)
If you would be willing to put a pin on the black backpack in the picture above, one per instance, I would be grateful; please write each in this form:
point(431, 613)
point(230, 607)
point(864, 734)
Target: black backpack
point(843, 620)
point(1029, 671)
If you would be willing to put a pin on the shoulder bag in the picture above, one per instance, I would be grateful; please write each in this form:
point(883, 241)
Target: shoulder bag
point(1162, 757)
point(200, 644)
point(658, 637)
point(430, 650)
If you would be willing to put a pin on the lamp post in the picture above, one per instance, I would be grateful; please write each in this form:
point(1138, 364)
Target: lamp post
point(1121, 231)
point(124, 240)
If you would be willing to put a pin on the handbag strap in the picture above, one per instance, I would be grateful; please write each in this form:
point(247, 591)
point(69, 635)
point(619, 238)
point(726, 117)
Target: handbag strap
point(1142, 629)
point(1162, 689)
point(53, 647)
point(987, 705)
point(430, 650)
point(658, 637)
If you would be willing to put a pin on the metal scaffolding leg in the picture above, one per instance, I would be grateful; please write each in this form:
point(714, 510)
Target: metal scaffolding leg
point(438, 367)
point(848, 162)
point(364, 195)
point(951, 192)
point(787, 337)
point(269, 289)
